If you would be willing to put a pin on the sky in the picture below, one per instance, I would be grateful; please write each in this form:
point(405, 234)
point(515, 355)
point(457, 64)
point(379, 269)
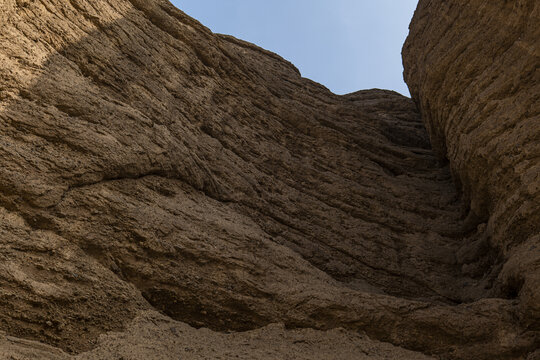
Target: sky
point(346, 45)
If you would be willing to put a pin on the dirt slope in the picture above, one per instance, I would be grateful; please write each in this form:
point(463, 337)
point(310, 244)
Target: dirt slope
point(154, 336)
point(150, 165)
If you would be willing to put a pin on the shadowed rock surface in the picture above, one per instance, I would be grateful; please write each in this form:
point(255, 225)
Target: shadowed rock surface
point(154, 336)
point(150, 165)
point(479, 94)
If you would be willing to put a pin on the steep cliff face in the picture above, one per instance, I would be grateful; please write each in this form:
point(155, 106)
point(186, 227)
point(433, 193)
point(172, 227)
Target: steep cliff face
point(150, 165)
point(473, 69)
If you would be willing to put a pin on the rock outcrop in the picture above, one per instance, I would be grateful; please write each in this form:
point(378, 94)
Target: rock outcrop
point(151, 165)
point(473, 70)
point(154, 336)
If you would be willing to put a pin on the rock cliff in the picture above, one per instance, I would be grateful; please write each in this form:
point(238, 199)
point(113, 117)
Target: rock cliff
point(163, 188)
point(474, 72)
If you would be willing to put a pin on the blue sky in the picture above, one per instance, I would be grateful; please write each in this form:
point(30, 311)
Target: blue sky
point(346, 45)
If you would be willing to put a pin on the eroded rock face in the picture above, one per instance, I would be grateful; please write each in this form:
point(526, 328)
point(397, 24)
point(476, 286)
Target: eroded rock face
point(155, 336)
point(473, 69)
point(148, 164)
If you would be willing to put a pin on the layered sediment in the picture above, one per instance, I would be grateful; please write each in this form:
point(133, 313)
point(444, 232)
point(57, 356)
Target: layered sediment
point(162, 186)
point(473, 71)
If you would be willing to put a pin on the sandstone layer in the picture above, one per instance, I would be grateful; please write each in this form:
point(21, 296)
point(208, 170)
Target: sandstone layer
point(151, 165)
point(473, 70)
point(154, 336)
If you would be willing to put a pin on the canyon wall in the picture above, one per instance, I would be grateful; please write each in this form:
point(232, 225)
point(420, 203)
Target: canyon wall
point(163, 188)
point(473, 70)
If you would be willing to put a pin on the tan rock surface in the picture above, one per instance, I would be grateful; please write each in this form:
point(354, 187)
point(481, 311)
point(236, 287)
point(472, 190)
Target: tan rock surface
point(154, 336)
point(474, 71)
point(148, 164)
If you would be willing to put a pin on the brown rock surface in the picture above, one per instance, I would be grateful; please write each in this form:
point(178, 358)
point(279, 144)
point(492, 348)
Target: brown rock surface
point(154, 336)
point(473, 70)
point(148, 164)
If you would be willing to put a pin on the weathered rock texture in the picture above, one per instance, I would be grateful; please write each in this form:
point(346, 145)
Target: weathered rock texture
point(148, 164)
point(473, 70)
point(154, 336)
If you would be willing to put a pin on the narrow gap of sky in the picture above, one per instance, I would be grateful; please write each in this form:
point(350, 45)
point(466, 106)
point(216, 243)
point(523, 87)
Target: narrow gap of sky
point(346, 45)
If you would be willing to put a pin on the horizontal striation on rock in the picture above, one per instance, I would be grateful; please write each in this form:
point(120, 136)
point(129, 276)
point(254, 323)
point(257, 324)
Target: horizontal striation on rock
point(473, 70)
point(149, 164)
